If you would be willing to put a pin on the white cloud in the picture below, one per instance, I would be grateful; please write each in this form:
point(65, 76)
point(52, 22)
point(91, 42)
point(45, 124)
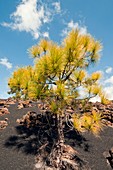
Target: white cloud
point(95, 99)
point(5, 62)
point(83, 30)
point(30, 15)
point(109, 80)
point(109, 70)
point(83, 94)
point(74, 25)
point(109, 92)
point(46, 34)
point(57, 6)
point(107, 84)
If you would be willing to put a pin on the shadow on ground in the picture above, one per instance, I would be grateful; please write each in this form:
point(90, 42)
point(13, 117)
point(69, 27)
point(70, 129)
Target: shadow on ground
point(29, 140)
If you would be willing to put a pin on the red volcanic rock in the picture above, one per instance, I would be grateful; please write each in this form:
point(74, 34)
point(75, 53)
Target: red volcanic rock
point(3, 124)
point(29, 119)
point(4, 111)
point(107, 112)
point(24, 104)
point(2, 102)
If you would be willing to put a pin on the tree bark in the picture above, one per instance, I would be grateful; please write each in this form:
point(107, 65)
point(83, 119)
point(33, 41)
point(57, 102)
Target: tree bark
point(57, 152)
point(60, 141)
point(60, 129)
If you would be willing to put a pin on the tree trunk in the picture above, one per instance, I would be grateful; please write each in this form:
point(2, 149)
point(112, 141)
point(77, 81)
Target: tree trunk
point(60, 129)
point(56, 154)
point(60, 141)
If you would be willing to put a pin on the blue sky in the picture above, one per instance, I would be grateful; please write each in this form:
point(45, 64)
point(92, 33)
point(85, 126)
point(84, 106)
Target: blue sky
point(24, 22)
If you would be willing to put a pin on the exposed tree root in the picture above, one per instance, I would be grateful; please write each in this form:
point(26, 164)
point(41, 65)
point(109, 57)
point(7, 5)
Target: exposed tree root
point(66, 159)
point(52, 153)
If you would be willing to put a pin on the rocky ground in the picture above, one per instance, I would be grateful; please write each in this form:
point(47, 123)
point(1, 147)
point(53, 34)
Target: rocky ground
point(18, 144)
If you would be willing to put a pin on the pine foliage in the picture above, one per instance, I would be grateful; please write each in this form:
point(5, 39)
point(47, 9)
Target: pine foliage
point(58, 74)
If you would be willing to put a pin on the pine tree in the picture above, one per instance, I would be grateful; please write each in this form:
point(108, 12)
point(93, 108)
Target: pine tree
point(57, 77)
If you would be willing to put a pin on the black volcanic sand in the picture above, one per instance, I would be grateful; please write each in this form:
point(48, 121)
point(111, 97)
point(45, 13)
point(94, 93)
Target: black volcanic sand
point(18, 145)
